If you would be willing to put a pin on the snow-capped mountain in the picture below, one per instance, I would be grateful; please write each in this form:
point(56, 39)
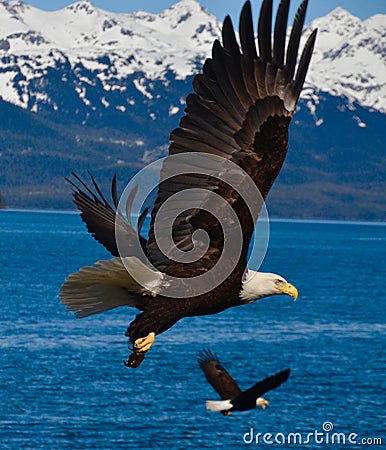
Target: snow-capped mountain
point(97, 46)
point(109, 46)
point(350, 58)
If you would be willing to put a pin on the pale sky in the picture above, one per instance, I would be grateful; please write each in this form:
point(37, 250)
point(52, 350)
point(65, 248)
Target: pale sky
point(317, 8)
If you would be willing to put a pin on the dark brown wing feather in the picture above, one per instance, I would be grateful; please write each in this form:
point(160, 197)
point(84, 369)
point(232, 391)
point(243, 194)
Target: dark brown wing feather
point(217, 376)
point(241, 110)
point(99, 216)
point(247, 399)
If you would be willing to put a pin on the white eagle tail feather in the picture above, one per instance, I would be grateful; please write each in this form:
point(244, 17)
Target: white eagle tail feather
point(108, 285)
point(218, 405)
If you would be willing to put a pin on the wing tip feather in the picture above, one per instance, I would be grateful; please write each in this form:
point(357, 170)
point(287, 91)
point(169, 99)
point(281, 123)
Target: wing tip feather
point(206, 355)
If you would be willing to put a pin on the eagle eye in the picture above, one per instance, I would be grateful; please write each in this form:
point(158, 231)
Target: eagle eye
point(278, 281)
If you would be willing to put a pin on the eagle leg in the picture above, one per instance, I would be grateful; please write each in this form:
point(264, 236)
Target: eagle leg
point(159, 318)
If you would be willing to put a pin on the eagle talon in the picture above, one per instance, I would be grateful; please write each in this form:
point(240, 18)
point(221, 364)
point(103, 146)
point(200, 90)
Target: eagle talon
point(134, 360)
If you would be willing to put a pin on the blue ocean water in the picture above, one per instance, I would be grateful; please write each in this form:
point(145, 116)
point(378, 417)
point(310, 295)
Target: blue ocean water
point(63, 384)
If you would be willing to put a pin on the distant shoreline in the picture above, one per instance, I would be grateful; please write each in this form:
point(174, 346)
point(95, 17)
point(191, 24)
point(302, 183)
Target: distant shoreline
point(273, 219)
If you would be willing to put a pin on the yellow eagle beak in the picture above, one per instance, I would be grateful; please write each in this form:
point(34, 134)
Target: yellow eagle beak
point(290, 289)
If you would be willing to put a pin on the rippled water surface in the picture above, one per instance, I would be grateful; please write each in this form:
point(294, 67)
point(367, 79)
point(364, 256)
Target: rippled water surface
point(63, 384)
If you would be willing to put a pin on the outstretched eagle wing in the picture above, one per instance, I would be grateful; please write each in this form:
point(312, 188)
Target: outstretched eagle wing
point(103, 220)
point(247, 399)
point(241, 110)
point(217, 376)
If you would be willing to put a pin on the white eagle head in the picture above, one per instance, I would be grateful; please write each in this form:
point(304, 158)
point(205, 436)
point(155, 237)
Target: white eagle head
point(258, 285)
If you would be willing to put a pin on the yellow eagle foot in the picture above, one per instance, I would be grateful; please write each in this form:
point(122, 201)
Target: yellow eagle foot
point(144, 344)
point(141, 346)
point(264, 403)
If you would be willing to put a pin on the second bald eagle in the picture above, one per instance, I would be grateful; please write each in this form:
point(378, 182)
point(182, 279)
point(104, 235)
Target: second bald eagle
point(233, 398)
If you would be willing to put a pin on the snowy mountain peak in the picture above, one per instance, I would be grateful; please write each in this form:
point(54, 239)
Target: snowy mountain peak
point(338, 24)
point(377, 22)
point(184, 7)
point(341, 14)
point(83, 6)
point(349, 58)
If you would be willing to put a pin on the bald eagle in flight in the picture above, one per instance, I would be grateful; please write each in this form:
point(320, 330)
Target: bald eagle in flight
point(240, 111)
point(233, 398)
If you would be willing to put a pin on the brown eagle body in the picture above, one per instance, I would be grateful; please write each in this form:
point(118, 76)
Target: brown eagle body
point(240, 111)
point(161, 313)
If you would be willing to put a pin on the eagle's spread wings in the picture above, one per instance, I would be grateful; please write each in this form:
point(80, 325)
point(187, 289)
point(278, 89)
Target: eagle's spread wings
point(217, 376)
point(247, 399)
point(240, 111)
